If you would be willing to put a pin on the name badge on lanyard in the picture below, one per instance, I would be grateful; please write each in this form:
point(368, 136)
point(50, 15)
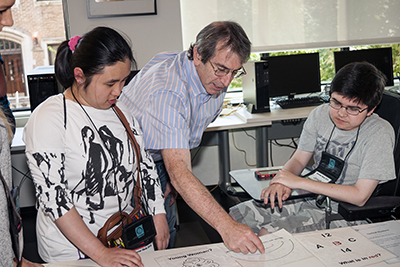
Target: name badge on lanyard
point(329, 168)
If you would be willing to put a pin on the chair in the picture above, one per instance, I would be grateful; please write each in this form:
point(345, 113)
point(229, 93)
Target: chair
point(385, 201)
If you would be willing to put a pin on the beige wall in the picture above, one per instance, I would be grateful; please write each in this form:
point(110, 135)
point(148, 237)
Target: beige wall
point(149, 34)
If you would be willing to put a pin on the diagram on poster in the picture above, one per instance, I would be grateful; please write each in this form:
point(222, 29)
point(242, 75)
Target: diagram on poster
point(280, 248)
point(204, 257)
point(343, 247)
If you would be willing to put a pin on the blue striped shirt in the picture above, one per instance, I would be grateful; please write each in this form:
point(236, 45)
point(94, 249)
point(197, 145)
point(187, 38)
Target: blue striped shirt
point(170, 103)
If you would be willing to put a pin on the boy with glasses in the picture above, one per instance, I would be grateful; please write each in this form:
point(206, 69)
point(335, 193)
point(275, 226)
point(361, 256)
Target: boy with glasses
point(175, 97)
point(352, 148)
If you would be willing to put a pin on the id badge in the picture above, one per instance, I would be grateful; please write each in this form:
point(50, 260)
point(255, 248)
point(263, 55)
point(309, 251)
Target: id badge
point(318, 176)
point(329, 169)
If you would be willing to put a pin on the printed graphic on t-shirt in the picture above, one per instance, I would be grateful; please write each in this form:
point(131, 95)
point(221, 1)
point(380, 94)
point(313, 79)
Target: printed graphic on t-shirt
point(108, 173)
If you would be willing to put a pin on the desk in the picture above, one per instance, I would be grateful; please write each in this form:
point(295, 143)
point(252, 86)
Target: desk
point(17, 143)
point(244, 119)
point(350, 246)
point(246, 179)
point(220, 127)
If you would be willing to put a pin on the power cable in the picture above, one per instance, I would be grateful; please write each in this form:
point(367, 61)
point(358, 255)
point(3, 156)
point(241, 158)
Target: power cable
point(243, 151)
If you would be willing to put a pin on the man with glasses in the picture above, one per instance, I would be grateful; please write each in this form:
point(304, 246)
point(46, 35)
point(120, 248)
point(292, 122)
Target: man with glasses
point(352, 148)
point(174, 98)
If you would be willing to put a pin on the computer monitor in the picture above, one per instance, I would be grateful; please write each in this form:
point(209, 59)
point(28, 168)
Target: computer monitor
point(380, 57)
point(290, 75)
point(42, 83)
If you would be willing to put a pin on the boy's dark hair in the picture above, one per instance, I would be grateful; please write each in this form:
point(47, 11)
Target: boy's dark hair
point(97, 49)
point(361, 81)
point(230, 33)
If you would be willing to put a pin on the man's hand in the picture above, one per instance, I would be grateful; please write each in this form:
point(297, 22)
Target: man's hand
point(237, 237)
point(279, 191)
point(169, 189)
point(162, 237)
point(240, 238)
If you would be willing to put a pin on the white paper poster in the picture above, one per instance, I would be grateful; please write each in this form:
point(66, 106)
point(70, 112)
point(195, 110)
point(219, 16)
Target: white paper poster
point(343, 247)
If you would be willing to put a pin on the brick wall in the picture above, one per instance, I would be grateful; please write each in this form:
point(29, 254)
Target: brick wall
point(44, 18)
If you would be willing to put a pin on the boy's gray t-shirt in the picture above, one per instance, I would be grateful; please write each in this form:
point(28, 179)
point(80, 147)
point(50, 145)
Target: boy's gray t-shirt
point(372, 155)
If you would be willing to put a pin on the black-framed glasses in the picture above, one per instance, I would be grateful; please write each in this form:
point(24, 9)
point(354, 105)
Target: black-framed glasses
point(353, 111)
point(221, 72)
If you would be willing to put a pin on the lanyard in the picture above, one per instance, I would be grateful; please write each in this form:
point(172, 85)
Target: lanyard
point(348, 153)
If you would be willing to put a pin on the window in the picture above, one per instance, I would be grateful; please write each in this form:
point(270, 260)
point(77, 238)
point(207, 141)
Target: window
point(31, 43)
point(299, 24)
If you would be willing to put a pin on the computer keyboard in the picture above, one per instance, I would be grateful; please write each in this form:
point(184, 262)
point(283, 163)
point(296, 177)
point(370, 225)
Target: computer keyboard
point(299, 102)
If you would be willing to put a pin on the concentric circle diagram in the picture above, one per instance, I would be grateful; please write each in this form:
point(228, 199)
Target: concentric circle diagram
point(277, 248)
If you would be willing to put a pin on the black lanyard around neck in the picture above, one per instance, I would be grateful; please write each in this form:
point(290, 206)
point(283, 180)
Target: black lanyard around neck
point(351, 149)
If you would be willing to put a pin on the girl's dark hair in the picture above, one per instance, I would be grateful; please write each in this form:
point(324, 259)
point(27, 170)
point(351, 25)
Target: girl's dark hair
point(229, 32)
point(97, 49)
point(361, 81)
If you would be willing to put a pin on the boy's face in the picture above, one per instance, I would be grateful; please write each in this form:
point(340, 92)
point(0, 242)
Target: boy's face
point(344, 120)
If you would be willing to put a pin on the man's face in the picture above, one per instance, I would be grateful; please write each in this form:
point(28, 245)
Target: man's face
point(224, 59)
point(341, 118)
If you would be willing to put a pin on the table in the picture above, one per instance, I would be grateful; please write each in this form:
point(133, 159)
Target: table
point(220, 128)
point(244, 119)
point(17, 143)
point(246, 179)
point(350, 246)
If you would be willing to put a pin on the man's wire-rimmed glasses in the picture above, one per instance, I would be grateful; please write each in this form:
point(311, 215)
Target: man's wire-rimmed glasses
point(221, 72)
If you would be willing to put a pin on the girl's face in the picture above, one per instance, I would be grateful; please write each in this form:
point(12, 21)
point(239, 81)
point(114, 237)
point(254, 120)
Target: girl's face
point(5, 13)
point(105, 87)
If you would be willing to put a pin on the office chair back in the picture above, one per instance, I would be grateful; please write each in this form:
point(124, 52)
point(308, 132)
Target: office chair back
point(389, 109)
point(383, 203)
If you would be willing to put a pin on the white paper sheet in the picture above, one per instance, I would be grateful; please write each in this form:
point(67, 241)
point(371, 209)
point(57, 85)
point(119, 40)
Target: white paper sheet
point(280, 249)
point(343, 247)
point(384, 234)
point(205, 257)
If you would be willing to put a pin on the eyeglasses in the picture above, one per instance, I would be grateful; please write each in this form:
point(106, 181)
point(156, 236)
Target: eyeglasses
point(221, 72)
point(353, 111)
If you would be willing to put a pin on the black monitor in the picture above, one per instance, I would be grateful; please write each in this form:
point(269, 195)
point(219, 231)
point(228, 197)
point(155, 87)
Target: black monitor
point(380, 57)
point(290, 75)
point(42, 83)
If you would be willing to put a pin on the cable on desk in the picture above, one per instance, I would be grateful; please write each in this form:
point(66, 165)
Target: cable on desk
point(25, 175)
point(243, 151)
point(292, 145)
point(215, 187)
point(231, 110)
point(270, 153)
point(195, 154)
point(248, 134)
